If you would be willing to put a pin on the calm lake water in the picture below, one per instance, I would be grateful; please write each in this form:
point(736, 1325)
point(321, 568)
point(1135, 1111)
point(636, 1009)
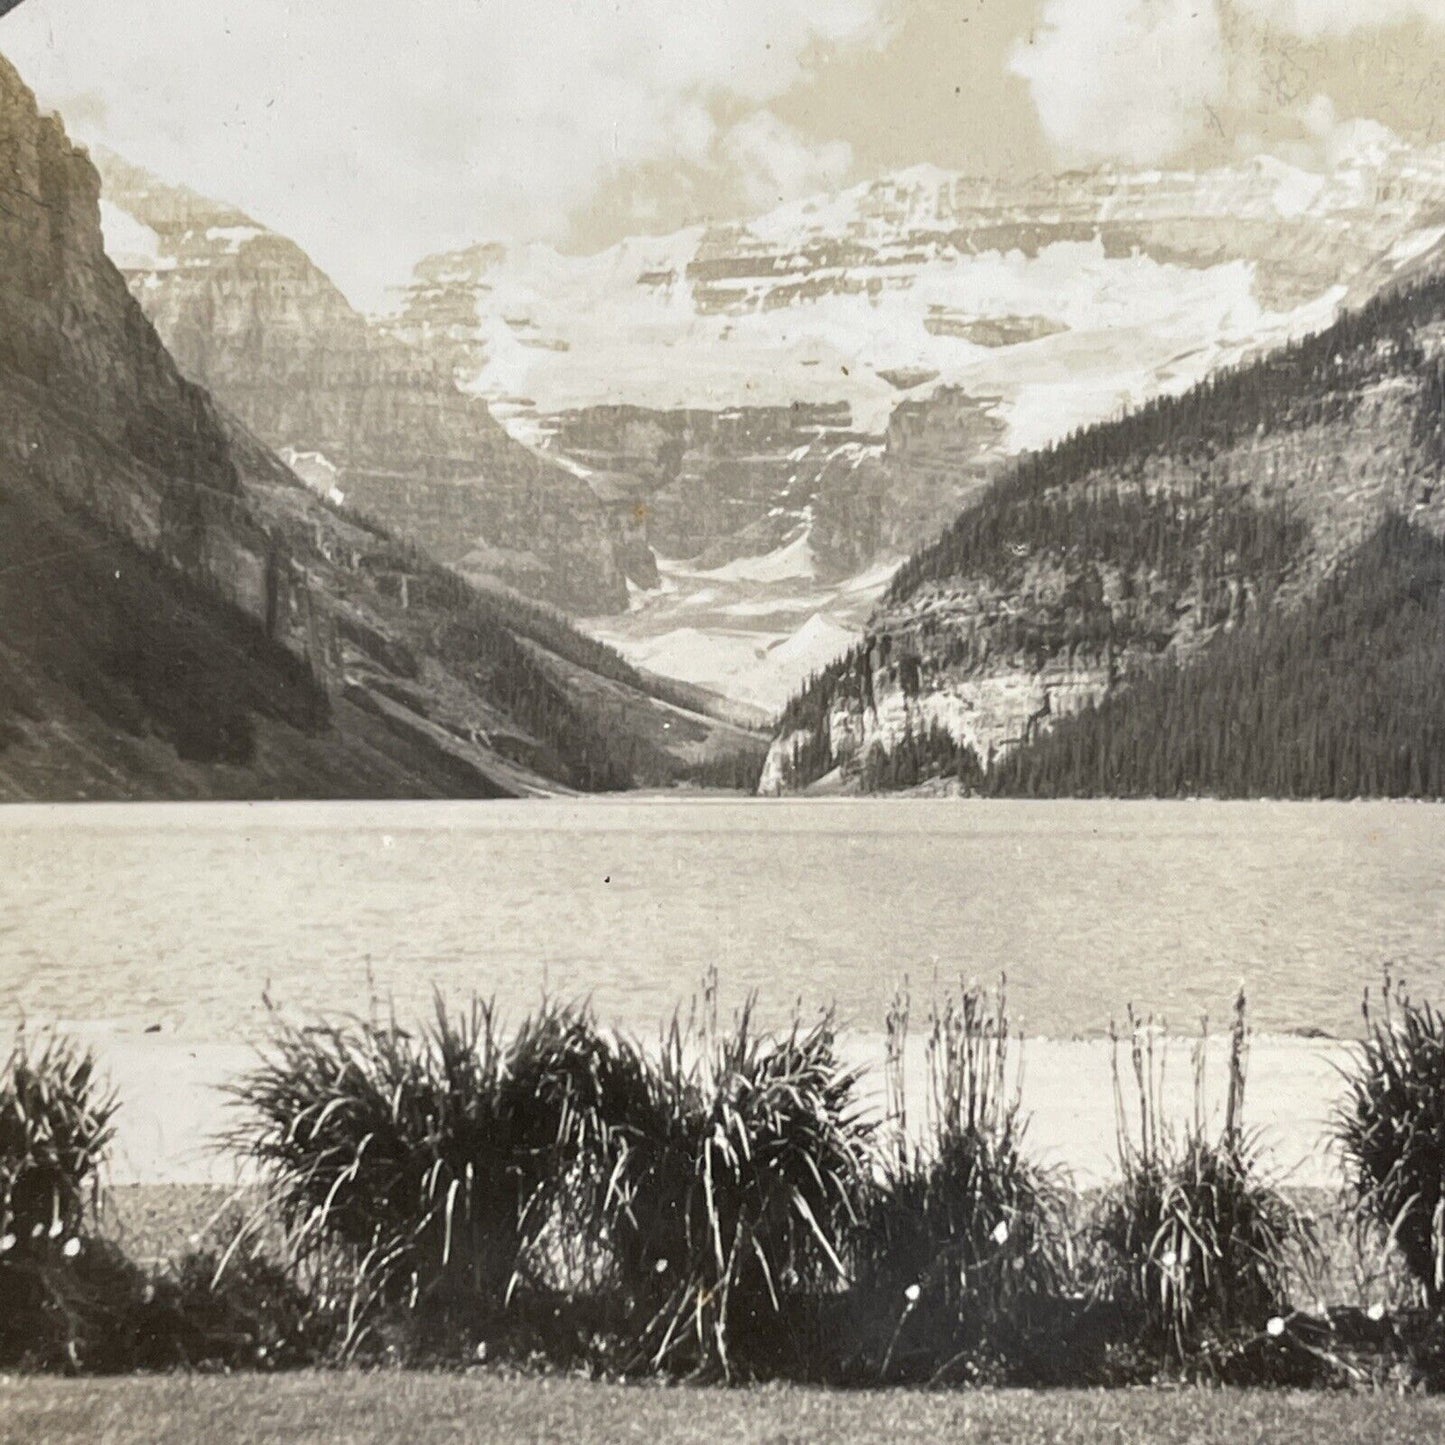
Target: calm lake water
point(186, 916)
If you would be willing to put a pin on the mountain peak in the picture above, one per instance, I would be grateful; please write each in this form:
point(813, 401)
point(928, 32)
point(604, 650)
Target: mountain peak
point(247, 313)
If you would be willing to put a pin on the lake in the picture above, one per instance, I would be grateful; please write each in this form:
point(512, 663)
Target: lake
point(188, 916)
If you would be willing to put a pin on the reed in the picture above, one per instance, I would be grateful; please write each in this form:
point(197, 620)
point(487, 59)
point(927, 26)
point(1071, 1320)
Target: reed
point(964, 1237)
point(56, 1126)
point(1194, 1239)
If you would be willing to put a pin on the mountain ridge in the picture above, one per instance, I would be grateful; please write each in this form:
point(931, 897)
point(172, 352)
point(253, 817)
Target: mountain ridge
point(513, 316)
point(841, 376)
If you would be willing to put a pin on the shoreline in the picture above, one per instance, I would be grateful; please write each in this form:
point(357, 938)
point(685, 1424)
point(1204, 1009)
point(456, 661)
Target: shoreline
point(172, 1100)
point(76, 810)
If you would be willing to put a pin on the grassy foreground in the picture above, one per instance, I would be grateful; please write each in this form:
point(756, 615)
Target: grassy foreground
point(395, 1405)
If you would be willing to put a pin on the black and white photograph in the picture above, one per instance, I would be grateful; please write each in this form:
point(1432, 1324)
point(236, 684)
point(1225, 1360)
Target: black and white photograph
point(722, 720)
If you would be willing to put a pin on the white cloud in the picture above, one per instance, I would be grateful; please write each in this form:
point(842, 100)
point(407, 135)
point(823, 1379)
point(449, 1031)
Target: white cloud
point(1132, 80)
point(1312, 19)
point(374, 132)
point(773, 163)
point(1141, 80)
point(1345, 142)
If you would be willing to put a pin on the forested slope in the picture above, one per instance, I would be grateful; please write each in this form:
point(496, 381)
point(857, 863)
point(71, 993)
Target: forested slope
point(1096, 621)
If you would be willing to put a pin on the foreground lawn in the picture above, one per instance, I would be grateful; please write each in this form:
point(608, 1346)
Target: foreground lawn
point(421, 1408)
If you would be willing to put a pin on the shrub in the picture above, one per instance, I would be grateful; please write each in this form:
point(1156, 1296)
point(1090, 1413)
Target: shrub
point(965, 1241)
point(1194, 1239)
point(736, 1162)
point(104, 1314)
point(239, 1310)
point(1391, 1131)
point(416, 1170)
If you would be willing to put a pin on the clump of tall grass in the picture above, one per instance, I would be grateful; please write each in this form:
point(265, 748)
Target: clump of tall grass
point(56, 1126)
point(419, 1169)
point(735, 1164)
point(1391, 1131)
point(964, 1236)
point(1194, 1241)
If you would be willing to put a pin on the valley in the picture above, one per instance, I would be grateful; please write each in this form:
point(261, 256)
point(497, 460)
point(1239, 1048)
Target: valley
point(713, 446)
point(719, 452)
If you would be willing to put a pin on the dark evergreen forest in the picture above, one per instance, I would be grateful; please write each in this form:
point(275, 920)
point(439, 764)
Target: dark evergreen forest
point(1342, 699)
point(1302, 384)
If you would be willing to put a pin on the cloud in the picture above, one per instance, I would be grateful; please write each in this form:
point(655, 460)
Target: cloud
point(773, 163)
point(1344, 142)
point(1143, 80)
point(1132, 80)
point(374, 132)
point(1314, 19)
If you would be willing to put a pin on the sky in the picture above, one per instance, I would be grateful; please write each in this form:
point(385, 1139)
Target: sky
point(375, 133)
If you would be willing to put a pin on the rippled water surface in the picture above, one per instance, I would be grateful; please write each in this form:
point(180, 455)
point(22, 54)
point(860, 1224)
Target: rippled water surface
point(187, 916)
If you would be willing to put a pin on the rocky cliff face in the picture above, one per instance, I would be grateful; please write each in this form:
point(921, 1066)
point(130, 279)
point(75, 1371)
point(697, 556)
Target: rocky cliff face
point(65, 319)
point(247, 314)
point(937, 453)
point(1302, 230)
point(711, 486)
point(1139, 541)
point(185, 618)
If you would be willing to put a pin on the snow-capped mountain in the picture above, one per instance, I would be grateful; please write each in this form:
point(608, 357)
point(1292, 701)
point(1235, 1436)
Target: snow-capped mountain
point(1123, 279)
point(916, 330)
